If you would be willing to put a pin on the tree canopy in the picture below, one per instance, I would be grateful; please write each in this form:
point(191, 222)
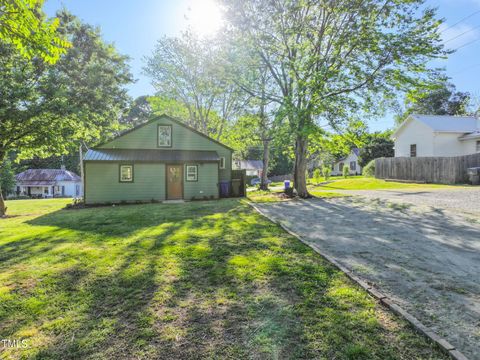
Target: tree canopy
point(378, 144)
point(442, 99)
point(190, 71)
point(331, 59)
point(24, 25)
point(50, 109)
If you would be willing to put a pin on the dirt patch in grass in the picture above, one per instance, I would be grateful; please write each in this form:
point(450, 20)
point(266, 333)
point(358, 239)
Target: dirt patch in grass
point(198, 280)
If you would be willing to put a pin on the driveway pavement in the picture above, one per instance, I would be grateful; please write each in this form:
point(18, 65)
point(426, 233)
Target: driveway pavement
point(427, 259)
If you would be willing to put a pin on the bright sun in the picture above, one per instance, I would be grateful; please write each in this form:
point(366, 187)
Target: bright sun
point(204, 17)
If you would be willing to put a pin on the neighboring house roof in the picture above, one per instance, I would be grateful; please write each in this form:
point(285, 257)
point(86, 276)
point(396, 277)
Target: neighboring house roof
point(45, 176)
point(354, 151)
point(175, 120)
point(444, 123)
point(150, 155)
point(250, 164)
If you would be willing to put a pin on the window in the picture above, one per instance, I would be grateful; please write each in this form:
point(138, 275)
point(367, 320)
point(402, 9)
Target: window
point(222, 163)
point(478, 146)
point(126, 173)
point(192, 173)
point(340, 167)
point(164, 136)
point(413, 150)
point(353, 165)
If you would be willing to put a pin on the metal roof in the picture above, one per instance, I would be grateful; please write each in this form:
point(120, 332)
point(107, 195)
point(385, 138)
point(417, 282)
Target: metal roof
point(250, 164)
point(36, 176)
point(150, 155)
point(445, 123)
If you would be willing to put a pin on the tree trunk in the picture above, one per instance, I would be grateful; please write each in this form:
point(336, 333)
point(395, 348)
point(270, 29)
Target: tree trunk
point(3, 208)
point(266, 159)
point(300, 167)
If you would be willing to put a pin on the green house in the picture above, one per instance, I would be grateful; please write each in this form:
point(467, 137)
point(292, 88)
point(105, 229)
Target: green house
point(163, 159)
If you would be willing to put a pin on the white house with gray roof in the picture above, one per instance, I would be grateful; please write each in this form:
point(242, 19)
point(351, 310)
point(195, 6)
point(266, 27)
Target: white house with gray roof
point(437, 135)
point(47, 183)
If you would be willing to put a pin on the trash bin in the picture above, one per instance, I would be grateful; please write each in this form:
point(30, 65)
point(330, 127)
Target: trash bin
point(236, 187)
point(224, 188)
point(474, 175)
point(286, 183)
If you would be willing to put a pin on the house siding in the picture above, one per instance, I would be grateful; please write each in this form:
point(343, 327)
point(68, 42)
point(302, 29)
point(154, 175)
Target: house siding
point(207, 184)
point(103, 186)
point(145, 137)
point(447, 144)
point(414, 132)
point(102, 183)
point(351, 157)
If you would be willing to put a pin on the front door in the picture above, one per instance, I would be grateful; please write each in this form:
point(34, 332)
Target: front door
point(174, 182)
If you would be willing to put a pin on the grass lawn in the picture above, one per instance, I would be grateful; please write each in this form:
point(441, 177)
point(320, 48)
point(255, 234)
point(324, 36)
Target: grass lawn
point(197, 280)
point(366, 183)
point(261, 196)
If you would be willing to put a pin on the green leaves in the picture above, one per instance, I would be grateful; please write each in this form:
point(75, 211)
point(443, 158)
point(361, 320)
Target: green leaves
point(48, 109)
point(23, 24)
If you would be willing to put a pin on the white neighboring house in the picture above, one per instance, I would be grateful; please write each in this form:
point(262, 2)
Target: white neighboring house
point(47, 183)
point(253, 167)
point(351, 161)
point(437, 135)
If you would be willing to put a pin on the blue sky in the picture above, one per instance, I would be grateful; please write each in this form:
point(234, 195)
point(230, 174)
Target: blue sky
point(134, 26)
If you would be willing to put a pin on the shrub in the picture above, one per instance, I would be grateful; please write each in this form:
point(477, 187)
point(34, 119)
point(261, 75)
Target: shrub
point(369, 169)
point(19, 197)
point(345, 171)
point(326, 172)
point(317, 175)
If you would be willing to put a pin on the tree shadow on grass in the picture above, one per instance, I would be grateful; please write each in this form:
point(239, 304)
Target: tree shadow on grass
point(212, 281)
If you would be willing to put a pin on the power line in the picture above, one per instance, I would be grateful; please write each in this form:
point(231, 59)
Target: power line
point(463, 33)
point(461, 20)
point(469, 43)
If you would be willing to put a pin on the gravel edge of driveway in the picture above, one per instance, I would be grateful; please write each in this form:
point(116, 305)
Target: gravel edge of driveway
point(383, 299)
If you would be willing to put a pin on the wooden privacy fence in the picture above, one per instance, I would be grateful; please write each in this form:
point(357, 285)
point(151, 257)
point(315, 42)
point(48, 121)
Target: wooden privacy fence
point(441, 170)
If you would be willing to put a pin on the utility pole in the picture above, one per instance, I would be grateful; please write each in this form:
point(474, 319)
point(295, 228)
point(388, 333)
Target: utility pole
point(80, 153)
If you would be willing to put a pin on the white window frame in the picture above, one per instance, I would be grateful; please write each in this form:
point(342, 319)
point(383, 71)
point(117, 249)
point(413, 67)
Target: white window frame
point(187, 175)
point(222, 162)
point(170, 130)
point(121, 179)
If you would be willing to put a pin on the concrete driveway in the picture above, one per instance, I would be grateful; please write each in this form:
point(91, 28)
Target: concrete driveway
point(426, 258)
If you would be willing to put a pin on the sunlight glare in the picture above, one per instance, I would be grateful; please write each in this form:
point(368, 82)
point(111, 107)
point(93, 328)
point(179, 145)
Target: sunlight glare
point(204, 17)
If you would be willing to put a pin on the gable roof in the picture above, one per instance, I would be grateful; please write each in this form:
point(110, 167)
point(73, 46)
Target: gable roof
point(443, 123)
point(40, 175)
point(176, 121)
point(354, 151)
point(251, 164)
point(150, 155)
